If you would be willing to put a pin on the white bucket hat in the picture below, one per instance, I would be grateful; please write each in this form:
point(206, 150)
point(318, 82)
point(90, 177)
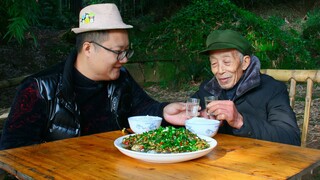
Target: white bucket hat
point(100, 17)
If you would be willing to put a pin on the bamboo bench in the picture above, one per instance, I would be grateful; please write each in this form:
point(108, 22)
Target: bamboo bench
point(294, 76)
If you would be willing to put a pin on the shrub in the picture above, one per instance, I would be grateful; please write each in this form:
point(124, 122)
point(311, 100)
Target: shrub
point(311, 33)
point(18, 16)
point(181, 37)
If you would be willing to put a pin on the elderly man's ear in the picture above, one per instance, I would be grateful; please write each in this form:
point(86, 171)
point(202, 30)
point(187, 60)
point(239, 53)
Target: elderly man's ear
point(245, 62)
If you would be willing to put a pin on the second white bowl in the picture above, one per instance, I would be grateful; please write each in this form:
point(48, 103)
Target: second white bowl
point(203, 126)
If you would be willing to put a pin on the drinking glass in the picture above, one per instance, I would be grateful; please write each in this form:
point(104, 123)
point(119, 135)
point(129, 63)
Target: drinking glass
point(209, 99)
point(192, 107)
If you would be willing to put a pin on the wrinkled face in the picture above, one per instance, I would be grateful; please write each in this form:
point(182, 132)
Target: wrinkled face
point(100, 64)
point(227, 67)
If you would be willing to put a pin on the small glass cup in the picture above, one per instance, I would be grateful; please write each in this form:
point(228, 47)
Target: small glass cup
point(209, 99)
point(192, 107)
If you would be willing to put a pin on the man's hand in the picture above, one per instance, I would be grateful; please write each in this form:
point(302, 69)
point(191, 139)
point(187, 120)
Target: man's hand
point(226, 110)
point(175, 113)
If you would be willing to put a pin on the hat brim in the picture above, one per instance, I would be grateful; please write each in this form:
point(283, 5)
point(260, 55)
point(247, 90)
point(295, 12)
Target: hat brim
point(81, 30)
point(221, 46)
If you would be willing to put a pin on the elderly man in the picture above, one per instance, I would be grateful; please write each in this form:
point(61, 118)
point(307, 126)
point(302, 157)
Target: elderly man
point(250, 104)
point(90, 92)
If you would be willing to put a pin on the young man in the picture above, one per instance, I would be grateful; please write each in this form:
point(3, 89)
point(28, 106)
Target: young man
point(250, 104)
point(91, 92)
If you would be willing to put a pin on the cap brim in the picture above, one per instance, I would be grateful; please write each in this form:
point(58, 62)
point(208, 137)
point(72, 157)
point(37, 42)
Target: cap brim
point(220, 46)
point(81, 30)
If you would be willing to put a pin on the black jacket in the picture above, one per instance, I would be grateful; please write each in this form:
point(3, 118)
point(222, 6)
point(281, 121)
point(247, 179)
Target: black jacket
point(45, 107)
point(264, 104)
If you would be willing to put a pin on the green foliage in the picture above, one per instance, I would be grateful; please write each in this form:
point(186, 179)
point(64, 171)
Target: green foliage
point(253, 3)
point(311, 33)
point(274, 47)
point(181, 37)
point(19, 16)
point(276, 21)
point(56, 17)
point(90, 2)
point(3, 19)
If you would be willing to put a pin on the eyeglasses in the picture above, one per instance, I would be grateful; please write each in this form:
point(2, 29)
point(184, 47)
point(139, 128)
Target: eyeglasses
point(121, 54)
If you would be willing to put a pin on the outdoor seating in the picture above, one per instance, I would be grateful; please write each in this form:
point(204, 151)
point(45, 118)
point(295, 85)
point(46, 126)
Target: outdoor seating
point(292, 77)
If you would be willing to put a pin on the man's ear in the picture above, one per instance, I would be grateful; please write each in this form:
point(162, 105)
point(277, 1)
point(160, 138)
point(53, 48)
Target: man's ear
point(246, 62)
point(87, 48)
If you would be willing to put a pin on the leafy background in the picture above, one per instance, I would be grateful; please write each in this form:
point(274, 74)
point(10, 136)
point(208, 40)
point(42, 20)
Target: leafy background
point(174, 31)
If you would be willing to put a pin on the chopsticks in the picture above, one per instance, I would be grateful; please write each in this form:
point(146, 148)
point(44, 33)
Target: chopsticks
point(126, 131)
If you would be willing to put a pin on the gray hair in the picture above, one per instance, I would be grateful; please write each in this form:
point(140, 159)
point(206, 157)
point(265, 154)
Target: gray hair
point(241, 56)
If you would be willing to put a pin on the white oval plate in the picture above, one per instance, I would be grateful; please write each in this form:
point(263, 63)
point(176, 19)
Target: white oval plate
point(166, 158)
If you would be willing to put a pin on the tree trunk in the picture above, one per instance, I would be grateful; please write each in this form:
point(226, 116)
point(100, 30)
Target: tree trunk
point(75, 6)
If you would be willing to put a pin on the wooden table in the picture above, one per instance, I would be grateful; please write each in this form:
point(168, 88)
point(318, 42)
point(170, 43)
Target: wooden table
point(95, 157)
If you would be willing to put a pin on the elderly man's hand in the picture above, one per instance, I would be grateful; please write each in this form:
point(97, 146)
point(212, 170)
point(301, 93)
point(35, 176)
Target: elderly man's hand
point(226, 110)
point(175, 113)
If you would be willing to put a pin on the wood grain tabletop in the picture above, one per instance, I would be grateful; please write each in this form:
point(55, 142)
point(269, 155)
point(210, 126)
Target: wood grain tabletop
point(96, 157)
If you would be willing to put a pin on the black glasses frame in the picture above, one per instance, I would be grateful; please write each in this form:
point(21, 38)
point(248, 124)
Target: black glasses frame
point(121, 54)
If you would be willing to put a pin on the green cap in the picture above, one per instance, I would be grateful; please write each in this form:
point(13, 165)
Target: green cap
point(227, 39)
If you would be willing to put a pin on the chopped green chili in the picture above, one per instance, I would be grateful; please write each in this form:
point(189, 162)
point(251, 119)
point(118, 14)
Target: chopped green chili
point(165, 140)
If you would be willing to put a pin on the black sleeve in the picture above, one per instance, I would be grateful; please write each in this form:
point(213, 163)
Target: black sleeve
point(27, 118)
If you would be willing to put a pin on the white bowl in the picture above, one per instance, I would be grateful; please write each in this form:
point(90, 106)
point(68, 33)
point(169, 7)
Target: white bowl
point(203, 126)
point(141, 124)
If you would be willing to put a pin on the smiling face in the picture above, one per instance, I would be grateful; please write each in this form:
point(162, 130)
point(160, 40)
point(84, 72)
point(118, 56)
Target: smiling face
point(99, 64)
point(227, 67)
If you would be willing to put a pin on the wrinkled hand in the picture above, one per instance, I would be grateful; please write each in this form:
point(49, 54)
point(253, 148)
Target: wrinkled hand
point(206, 115)
point(226, 110)
point(175, 113)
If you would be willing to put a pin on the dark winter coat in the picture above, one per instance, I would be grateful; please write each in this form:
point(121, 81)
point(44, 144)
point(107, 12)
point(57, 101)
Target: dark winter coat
point(264, 104)
point(52, 105)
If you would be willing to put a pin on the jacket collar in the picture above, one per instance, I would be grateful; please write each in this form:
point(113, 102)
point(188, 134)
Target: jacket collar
point(66, 85)
point(250, 79)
